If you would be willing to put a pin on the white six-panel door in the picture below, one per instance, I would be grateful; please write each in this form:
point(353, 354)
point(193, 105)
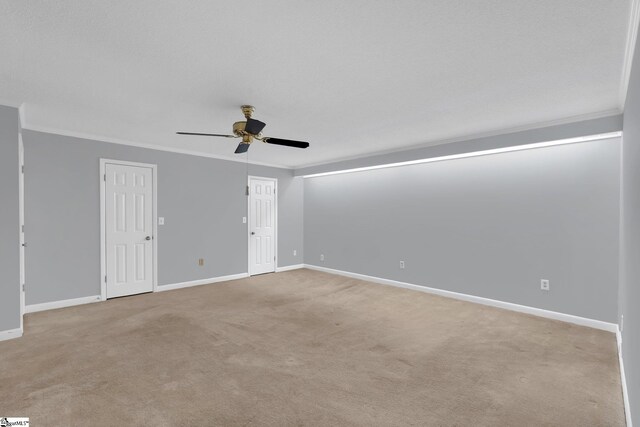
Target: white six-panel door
point(262, 225)
point(128, 230)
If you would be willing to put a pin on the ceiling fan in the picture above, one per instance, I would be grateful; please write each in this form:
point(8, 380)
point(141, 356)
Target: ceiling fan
point(249, 130)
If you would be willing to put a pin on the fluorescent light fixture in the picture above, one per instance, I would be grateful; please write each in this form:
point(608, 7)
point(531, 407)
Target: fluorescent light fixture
point(476, 153)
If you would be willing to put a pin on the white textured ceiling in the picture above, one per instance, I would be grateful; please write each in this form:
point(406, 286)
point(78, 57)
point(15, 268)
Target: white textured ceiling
point(351, 77)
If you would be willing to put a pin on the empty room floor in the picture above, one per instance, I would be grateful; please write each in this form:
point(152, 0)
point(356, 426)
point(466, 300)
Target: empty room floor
point(306, 348)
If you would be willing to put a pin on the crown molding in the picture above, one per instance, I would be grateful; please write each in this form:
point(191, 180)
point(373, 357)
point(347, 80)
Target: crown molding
point(102, 138)
point(495, 132)
point(491, 151)
point(467, 137)
point(632, 37)
point(7, 103)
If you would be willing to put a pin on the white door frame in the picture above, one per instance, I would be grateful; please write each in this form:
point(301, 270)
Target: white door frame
point(103, 225)
point(275, 231)
point(21, 226)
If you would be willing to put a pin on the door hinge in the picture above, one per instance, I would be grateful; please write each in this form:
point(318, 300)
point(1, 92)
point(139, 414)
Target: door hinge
point(22, 228)
point(104, 177)
point(105, 278)
point(247, 190)
point(22, 168)
point(23, 287)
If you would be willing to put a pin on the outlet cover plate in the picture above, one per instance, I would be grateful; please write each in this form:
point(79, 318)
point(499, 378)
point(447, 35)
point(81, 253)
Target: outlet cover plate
point(544, 284)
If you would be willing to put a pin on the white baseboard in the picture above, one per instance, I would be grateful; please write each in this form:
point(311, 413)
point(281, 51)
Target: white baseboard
point(623, 380)
point(10, 334)
point(289, 267)
point(202, 282)
point(582, 321)
point(33, 308)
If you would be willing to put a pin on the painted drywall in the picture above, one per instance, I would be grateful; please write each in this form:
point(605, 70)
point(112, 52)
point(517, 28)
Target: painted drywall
point(550, 133)
point(630, 239)
point(9, 220)
point(202, 200)
point(490, 226)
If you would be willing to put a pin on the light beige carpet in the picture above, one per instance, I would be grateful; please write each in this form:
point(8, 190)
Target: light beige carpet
point(306, 348)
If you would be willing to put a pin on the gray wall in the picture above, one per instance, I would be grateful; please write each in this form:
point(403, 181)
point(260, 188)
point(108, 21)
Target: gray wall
point(630, 239)
point(550, 133)
point(202, 199)
point(490, 226)
point(9, 220)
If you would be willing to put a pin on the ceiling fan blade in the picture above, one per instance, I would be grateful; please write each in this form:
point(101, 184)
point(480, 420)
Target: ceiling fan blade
point(285, 142)
point(254, 126)
point(206, 134)
point(242, 148)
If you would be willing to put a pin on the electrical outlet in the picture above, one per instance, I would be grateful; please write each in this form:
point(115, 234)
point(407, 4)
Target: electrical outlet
point(401, 264)
point(161, 220)
point(244, 219)
point(295, 253)
point(544, 284)
point(201, 262)
point(322, 257)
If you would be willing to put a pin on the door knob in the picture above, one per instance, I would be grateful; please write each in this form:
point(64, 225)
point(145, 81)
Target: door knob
point(147, 238)
point(253, 232)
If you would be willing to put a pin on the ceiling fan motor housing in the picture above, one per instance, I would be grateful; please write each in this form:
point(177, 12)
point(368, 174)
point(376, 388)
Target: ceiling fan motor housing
point(238, 129)
point(248, 129)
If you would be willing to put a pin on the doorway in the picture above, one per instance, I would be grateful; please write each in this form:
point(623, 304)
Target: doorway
point(128, 222)
point(263, 220)
point(21, 231)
